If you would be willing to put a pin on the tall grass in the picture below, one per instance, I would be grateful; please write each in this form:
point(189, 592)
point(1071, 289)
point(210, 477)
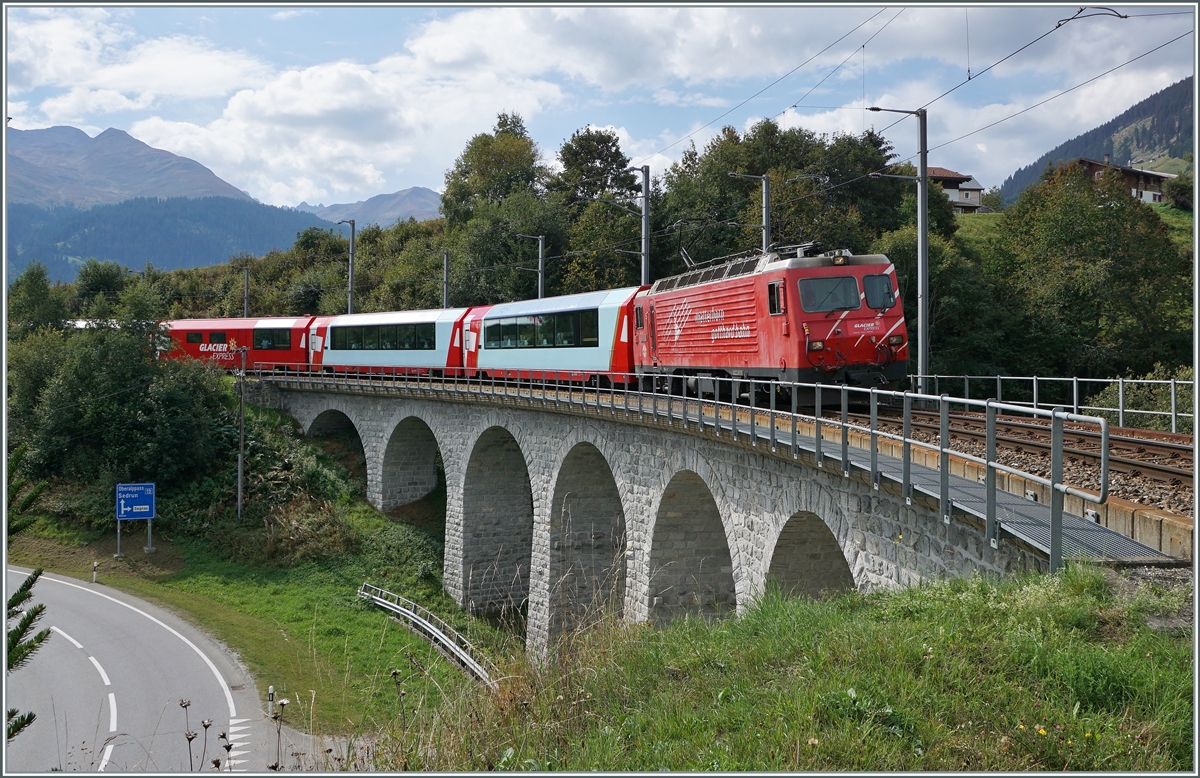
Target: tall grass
point(1035, 673)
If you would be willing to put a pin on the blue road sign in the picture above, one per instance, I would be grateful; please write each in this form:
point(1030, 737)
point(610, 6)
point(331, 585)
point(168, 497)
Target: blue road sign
point(135, 501)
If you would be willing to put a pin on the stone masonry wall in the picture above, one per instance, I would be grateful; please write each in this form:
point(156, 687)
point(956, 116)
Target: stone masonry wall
point(882, 541)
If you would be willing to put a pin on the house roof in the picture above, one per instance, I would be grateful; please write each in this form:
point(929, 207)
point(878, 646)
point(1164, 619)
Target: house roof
point(972, 184)
point(940, 173)
point(1125, 169)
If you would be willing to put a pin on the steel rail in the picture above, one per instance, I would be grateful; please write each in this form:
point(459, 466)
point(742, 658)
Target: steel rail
point(1119, 463)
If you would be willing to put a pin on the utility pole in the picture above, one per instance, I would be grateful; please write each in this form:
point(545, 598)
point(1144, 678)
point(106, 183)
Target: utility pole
point(645, 225)
point(922, 242)
point(241, 431)
point(541, 271)
point(766, 207)
point(246, 292)
point(350, 291)
point(445, 279)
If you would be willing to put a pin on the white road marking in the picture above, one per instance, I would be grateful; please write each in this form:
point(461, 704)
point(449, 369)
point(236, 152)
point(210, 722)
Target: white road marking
point(237, 721)
point(236, 729)
point(68, 637)
point(107, 754)
point(100, 669)
point(112, 712)
point(193, 646)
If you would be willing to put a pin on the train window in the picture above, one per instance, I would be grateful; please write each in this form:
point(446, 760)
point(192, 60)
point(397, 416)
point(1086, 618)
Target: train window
point(337, 339)
point(879, 292)
point(775, 298)
point(195, 337)
point(565, 329)
point(216, 337)
point(836, 293)
point(508, 333)
point(638, 322)
point(426, 336)
point(371, 338)
point(543, 331)
point(526, 332)
point(491, 334)
point(589, 328)
point(278, 339)
point(387, 337)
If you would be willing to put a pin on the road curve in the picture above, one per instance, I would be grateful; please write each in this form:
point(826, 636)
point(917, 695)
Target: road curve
point(106, 688)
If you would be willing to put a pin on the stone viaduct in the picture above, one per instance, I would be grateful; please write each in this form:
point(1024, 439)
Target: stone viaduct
point(568, 514)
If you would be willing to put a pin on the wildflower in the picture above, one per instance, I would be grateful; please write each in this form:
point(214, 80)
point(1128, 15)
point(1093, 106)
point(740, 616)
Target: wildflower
point(1068, 742)
point(1020, 726)
point(184, 703)
point(284, 701)
point(1041, 730)
point(812, 741)
point(1089, 734)
point(216, 763)
point(190, 736)
point(206, 723)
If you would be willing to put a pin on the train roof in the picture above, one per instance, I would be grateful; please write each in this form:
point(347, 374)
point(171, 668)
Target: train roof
point(395, 317)
point(265, 322)
point(807, 255)
point(567, 302)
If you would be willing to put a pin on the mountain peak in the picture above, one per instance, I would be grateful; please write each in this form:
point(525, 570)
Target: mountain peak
point(63, 166)
point(417, 202)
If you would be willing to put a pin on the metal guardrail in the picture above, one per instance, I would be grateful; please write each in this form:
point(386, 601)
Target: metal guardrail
point(1025, 384)
point(716, 404)
point(435, 629)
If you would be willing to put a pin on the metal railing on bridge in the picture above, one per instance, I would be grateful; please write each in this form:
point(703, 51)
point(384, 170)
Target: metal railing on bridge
point(716, 404)
point(1077, 393)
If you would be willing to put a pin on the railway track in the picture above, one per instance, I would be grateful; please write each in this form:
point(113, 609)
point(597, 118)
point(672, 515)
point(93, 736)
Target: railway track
point(1166, 457)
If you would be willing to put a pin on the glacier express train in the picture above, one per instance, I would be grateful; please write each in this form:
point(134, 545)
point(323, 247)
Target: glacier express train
point(795, 314)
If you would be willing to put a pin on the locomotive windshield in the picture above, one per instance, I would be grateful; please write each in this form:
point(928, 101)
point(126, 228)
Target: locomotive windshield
point(879, 292)
point(837, 293)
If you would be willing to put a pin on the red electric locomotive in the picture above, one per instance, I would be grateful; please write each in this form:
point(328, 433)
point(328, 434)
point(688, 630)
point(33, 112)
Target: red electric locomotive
point(798, 314)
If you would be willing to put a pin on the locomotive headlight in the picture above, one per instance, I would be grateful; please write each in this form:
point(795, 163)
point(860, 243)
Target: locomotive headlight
point(816, 345)
point(839, 260)
point(895, 340)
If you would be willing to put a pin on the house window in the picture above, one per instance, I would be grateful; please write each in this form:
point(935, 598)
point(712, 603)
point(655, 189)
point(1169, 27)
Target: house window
point(966, 195)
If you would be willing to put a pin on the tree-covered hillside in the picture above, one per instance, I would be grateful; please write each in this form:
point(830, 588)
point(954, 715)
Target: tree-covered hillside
point(1159, 126)
point(1076, 279)
point(173, 233)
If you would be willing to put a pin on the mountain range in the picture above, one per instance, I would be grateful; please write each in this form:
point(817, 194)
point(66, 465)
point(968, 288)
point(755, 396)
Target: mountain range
point(1155, 134)
point(62, 166)
point(113, 197)
point(385, 209)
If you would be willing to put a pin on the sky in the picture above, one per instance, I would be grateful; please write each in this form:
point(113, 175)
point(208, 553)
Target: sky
point(335, 105)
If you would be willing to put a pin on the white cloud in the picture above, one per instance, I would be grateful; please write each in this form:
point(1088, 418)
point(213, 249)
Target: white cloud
point(283, 16)
point(340, 129)
point(79, 103)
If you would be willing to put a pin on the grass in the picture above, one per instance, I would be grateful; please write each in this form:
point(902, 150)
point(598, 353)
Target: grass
point(976, 230)
point(1037, 673)
point(1179, 222)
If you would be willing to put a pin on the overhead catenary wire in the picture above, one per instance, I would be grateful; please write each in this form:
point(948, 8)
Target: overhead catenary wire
point(765, 88)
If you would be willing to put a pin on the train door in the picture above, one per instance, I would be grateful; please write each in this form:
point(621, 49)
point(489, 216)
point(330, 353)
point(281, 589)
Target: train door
point(653, 339)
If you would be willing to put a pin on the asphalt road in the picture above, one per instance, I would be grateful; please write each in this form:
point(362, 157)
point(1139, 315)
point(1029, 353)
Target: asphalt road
point(107, 684)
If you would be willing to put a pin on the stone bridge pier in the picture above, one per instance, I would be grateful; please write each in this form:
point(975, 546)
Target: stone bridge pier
point(567, 518)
